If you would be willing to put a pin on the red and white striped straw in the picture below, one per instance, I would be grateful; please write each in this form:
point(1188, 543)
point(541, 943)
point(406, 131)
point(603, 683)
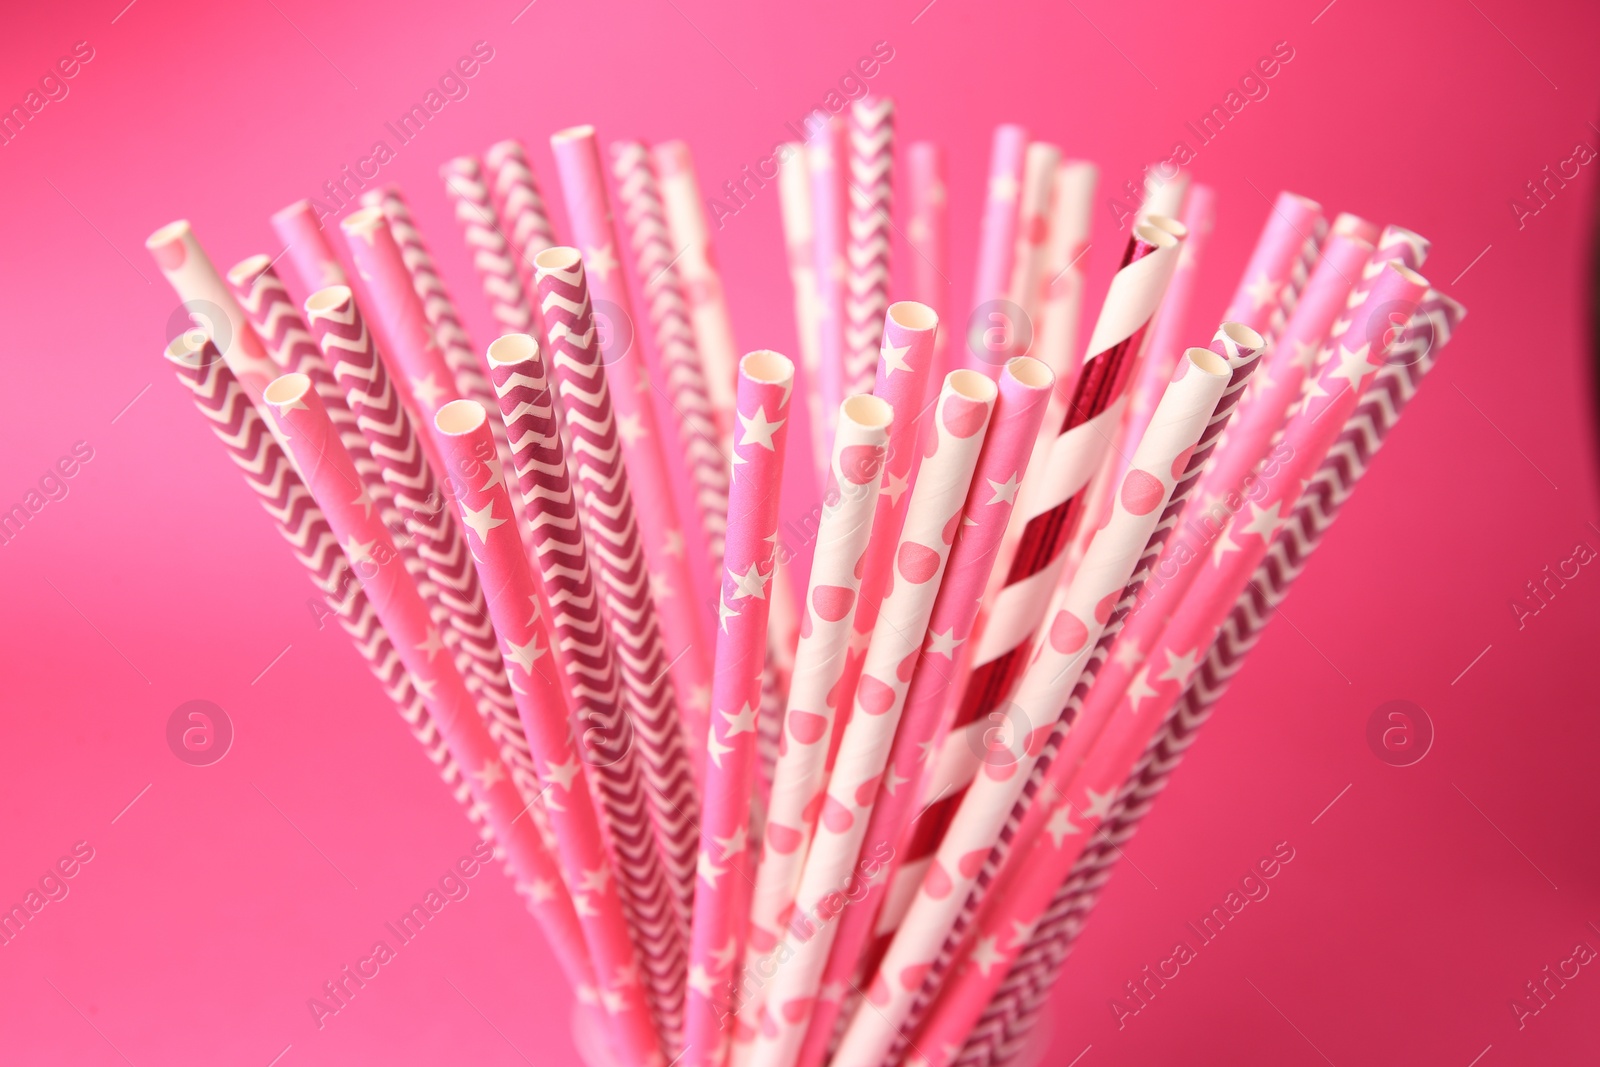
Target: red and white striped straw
point(305, 242)
point(953, 440)
point(650, 475)
point(702, 281)
point(1010, 1016)
point(514, 191)
point(867, 245)
point(440, 309)
point(510, 303)
point(590, 674)
point(606, 510)
point(1032, 713)
point(330, 477)
point(990, 331)
point(722, 898)
point(478, 487)
point(1024, 390)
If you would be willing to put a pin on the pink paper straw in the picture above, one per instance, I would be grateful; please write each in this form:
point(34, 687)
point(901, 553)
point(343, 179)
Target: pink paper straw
point(702, 282)
point(953, 440)
point(1030, 715)
point(1279, 265)
point(991, 331)
point(593, 684)
point(826, 160)
point(478, 486)
point(721, 902)
point(514, 191)
point(1011, 1014)
point(330, 477)
point(1030, 257)
point(799, 236)
point(928, 233)
point(510, 303)
point(1164, 197)
point(606, 510)
point(459, 355)
point(868, 242)
point(855, 478)
point(1024, 389)
point(672, 583)
point(305, 241)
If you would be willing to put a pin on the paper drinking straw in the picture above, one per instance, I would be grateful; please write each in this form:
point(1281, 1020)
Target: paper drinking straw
point(510, 304)
point(1164, 196)
point(1027, 719)
point(1010, 1015)
point(855, 478)
point(515, 193)
point(1024, 389)
point(679, 359)
point(606, 510)
point(594, 687)
point(454, 591)
point(440, 309)
point(903, 368)
point(672, 583)
point(330, 478)
point(478, 488)
point(1239, 348)
point(305, 241)
point(990, 331)
point(1019, 596)
point(697, 266)
point(928, 234)
point(953, 440)
point(1279, 265)
point(1031, 254)
point(1352, 225)
point(867, 243)
point(721, 901)
point(208, 302)
point(826, 159)
point(794, 204)
point(242, 431)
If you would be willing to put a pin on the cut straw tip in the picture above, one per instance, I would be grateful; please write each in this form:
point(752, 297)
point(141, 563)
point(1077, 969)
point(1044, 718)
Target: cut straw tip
point(248, 268)
point(767, 367)
point(363, 221)
point(286, 390)
point(324, 300)
point(511, 348)
point(172, 231)
point(460, 417)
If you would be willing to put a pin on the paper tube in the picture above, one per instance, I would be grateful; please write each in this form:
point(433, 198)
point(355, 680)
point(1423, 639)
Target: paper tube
point(305, 242)
point(867, 243)
point(721, 901)
point(593, 685)
point(1030, 257)
point(928, 233)
point(1279, 265)
point(517, 201)
point(510, 303)
point(991, 329)
point(794, 204)
point(478, 488)
point(835, 865)
point(826, 160)
point(1026, 720)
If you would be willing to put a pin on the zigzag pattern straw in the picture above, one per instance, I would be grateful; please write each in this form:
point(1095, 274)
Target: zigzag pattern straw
point(515, 193)
point(867, 242)
point(384, 421)
point(1004, 1028)
point(605, 508)
point(491, 253)
point(592, 678)
point(243, 433)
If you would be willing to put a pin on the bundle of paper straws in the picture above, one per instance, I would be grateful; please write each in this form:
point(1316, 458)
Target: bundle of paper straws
point(861, 822)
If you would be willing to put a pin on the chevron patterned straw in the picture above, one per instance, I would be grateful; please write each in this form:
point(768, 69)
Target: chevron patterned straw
point(510, 303)
point(1009, 1018)
point(515, 194)
point(590, 673)
point(870, 184)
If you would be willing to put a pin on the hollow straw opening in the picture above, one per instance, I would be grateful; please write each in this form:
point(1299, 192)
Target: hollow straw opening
point(168, 233)
point(364, 220)
point(1170, 224)
point(1204, 359)
point(185, 347)
point(1030, 372)
point(1155, 235)
point(972, 385)
point(1243, 336)
point(511, 348)
point(767, 367)
point(864, 409)
point(572, 133)
point(324, 300)
point(911, 315)
point(287, 389)
point(293, 209)
point(459, 417)
point(247, 268)
point(561, 257)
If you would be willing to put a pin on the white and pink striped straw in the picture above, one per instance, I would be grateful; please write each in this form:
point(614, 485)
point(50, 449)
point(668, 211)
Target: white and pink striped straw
point(721, 903)
point(953, 440)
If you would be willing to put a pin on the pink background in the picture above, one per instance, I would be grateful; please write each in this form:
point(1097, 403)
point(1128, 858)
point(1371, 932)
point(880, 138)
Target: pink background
point(1416, 906)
